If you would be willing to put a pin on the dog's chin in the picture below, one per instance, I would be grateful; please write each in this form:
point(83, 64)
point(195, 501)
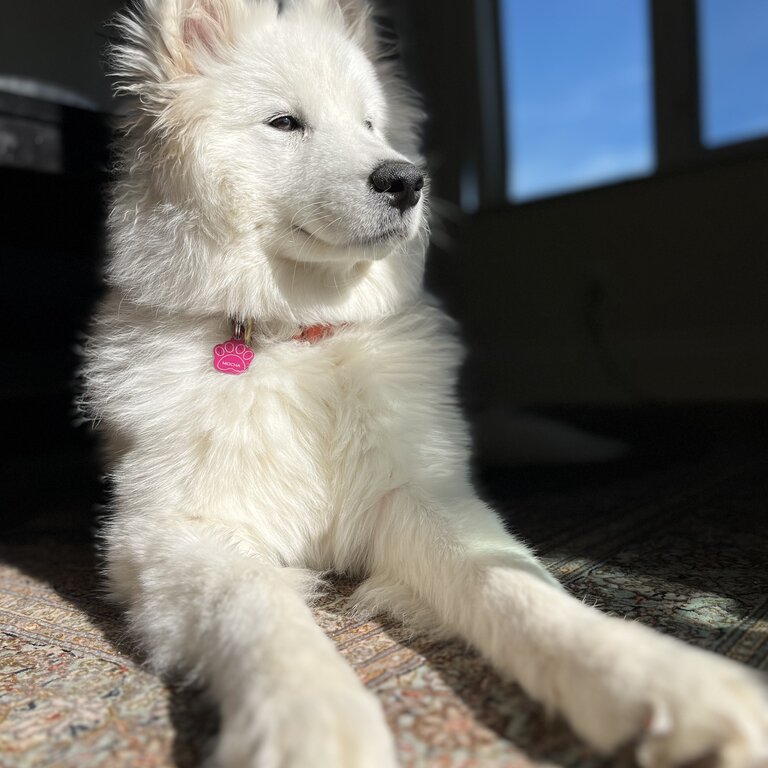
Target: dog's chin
point(301, 245)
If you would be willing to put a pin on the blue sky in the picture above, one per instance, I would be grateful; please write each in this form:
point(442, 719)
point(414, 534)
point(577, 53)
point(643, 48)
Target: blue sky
point(578, 82)
point(734, 69)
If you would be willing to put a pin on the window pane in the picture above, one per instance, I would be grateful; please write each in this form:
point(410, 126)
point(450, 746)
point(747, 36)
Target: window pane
point(577, 81)
point(734, 70)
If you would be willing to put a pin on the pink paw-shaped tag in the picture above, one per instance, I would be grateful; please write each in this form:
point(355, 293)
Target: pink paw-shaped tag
point(232, 357)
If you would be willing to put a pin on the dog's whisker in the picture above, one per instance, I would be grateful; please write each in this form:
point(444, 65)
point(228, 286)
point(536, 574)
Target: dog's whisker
point(316, 204)
point(316, 235)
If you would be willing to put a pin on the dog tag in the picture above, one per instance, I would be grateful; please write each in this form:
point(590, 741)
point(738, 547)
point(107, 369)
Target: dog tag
point(232, 357)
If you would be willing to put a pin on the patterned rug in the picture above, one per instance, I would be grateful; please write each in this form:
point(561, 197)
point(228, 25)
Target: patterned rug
point(679, 546)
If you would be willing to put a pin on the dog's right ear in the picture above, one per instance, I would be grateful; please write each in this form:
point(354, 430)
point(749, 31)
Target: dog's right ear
point(163, 40)
point(355, 17)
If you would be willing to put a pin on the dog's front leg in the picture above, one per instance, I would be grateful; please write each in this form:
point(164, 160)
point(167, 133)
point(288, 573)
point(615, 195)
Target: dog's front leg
point(243, 629)
point(615, 681)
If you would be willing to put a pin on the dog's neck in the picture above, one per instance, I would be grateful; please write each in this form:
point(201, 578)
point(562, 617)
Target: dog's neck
point(250, 331)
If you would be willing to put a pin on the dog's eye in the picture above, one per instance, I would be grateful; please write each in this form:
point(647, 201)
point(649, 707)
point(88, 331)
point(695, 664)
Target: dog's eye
point(369, 125)
point(285, 123)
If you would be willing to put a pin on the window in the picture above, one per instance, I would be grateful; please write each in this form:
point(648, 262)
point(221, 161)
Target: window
point(733, 70)
point(600, 91)
point(577, 86)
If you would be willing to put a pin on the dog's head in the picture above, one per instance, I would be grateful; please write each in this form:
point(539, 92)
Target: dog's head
point(270, 159)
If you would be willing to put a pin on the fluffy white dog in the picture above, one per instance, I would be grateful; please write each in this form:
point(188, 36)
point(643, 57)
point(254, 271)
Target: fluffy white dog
point(268, 220)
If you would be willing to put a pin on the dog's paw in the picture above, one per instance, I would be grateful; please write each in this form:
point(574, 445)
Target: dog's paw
point(340, 726)
point(680, 705)
point(705, 708)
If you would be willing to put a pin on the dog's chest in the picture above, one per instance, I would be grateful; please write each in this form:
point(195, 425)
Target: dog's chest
point(318, 429)
point(301, 448)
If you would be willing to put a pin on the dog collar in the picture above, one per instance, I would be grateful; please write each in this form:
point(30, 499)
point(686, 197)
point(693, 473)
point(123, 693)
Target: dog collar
point(234, 356)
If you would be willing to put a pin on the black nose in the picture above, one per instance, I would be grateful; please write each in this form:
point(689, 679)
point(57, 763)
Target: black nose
point(401, 183)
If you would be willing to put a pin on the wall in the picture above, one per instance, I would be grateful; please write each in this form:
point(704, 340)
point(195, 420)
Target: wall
point(58, 42)
point(651, 291)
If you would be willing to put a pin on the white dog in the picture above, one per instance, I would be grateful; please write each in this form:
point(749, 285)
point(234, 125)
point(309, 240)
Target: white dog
point(268, 220)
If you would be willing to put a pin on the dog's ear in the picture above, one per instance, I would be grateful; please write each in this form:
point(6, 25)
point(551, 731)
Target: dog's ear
point(202, 27)
point(358, 21)
point(355, 16)
point(162, 40)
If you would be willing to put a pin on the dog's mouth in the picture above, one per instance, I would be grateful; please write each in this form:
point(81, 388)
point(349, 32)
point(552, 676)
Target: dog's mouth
point(383, 238)
point(348, 237)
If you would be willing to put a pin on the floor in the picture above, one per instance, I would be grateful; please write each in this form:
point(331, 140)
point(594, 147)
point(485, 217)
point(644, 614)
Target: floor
point(674, 535)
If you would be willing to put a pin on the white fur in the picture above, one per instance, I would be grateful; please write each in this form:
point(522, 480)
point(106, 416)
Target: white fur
point(231, 494)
